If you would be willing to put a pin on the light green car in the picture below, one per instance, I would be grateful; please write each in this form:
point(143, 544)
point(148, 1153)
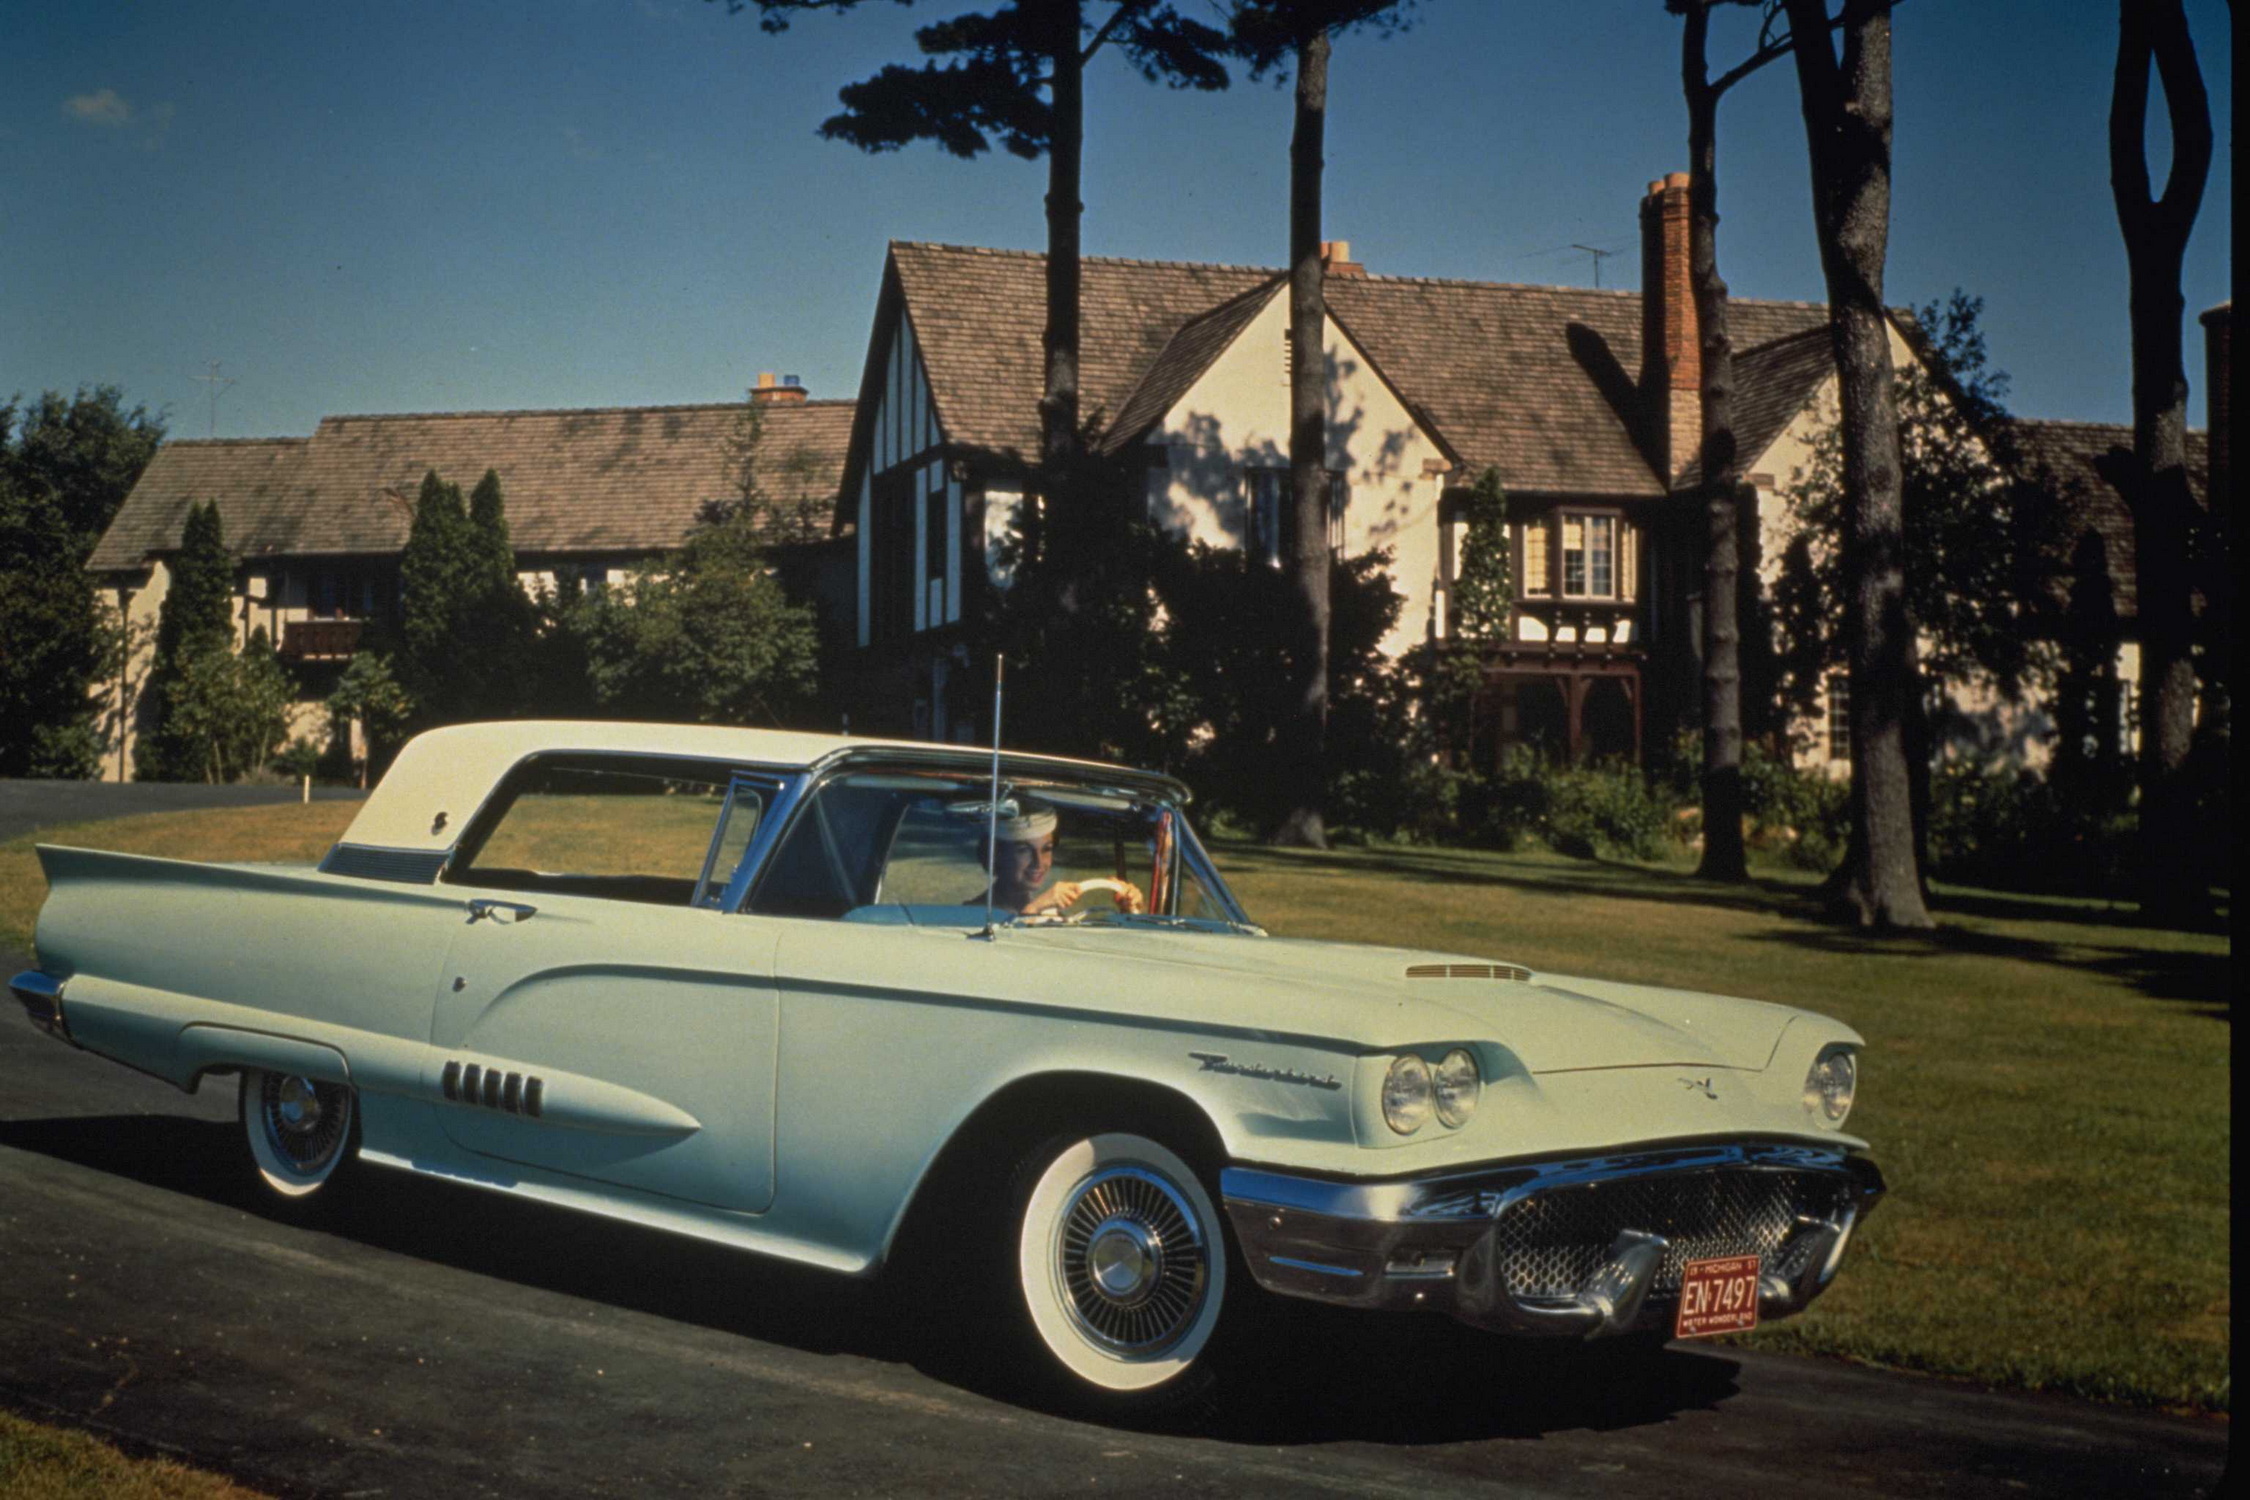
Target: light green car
point(997, 1021)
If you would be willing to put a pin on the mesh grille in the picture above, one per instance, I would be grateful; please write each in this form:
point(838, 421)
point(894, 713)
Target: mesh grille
point(1549, 1243)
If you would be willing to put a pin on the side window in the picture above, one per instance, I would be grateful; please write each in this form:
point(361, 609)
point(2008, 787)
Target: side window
point(622, 830)
point(745, 806)
point(831, 859)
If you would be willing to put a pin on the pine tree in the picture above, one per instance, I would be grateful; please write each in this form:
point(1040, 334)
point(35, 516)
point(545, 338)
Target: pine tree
point(194, 621)
point(439, 571)
point(498, 615)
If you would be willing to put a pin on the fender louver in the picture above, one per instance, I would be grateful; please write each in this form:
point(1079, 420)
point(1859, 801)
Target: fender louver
point(468, 1083)
point(1466, 971)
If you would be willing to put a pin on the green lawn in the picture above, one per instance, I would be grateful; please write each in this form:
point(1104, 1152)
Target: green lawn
point(2045, 1082)
point(2045, 1085)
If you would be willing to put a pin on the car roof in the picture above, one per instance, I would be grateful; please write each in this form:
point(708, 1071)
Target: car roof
point(442, 777)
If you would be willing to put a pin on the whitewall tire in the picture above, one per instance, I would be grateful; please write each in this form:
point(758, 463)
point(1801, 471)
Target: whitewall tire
point(1121, 1264)
point(302, 1131)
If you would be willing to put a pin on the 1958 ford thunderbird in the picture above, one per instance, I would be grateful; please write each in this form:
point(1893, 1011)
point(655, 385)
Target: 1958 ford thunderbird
point(798, 994)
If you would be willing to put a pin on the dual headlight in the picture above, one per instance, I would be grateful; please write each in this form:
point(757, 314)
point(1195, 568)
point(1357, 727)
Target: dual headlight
point(1830, 1084)
point(1413, 1091)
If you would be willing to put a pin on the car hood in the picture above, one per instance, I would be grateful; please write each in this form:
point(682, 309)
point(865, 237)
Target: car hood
point(1552, 1023)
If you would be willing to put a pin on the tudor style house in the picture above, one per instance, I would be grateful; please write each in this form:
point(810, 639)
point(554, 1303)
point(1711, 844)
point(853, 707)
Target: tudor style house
point(1586, 402)
point(317, 523)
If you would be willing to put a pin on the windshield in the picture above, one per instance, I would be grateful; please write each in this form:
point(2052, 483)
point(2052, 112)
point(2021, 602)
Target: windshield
point(932, 849)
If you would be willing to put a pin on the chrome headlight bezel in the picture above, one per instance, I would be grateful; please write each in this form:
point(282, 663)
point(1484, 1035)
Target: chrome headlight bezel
point(1456, 1085)
point(1409, 1097)
point(1831, 1084)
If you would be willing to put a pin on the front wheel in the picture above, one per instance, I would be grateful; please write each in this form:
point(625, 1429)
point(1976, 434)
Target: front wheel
point(302, 1131)
point(1122, 1269)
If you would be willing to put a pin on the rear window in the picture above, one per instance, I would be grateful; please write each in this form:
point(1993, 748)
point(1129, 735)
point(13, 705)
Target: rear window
point(621, 831)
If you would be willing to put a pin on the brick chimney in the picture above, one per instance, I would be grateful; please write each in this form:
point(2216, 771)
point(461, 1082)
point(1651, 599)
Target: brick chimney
point(1671, 350)
point(1336, 259)
point(2218, 371)
point(788, 391)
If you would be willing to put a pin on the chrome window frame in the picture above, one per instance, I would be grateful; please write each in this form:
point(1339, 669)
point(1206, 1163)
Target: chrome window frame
point(781, 819)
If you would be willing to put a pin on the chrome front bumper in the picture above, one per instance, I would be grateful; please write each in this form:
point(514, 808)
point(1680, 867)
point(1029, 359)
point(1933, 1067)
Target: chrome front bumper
point(1586, 1246)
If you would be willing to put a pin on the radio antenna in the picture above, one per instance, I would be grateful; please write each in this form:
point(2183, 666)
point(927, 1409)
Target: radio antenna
point(992, 809)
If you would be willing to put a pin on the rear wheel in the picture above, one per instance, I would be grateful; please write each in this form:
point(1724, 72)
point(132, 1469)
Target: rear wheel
point(302, 1131)
point(1121, 1272)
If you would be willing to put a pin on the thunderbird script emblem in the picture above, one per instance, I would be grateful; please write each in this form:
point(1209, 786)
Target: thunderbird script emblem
point(1217, 1062)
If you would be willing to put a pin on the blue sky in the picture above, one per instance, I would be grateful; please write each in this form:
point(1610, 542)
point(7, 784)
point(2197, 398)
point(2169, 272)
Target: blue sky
point(407, 206)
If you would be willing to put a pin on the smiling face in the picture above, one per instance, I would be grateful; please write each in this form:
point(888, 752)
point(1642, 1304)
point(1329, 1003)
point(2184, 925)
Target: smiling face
point(1022, 868)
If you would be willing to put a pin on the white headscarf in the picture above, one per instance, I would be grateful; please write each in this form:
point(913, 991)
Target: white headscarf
point(1033, 821)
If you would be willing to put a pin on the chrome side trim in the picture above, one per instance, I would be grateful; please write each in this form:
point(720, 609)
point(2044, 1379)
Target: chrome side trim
point(42, 997)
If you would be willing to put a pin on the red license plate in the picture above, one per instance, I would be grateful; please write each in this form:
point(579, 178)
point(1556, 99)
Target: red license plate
point(1717, 1296)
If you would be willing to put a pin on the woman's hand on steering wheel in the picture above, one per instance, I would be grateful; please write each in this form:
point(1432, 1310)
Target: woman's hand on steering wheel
point(1064, 894)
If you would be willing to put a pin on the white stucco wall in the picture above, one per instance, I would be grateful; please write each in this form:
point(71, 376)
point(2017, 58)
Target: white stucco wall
point(1981, 724)
point(1237, 416)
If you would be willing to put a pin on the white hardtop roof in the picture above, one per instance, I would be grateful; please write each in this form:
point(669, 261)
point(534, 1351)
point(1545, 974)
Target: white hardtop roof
point(442, 777)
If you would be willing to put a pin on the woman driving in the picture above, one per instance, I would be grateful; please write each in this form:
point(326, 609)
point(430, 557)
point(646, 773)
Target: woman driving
point(1026, 858)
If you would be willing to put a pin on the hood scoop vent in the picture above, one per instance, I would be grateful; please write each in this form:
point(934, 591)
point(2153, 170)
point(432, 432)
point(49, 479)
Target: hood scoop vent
point(1467, 971)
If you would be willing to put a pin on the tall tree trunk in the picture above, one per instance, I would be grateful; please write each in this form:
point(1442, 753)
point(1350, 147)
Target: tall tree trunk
point(1723, 855)
point(1847, 109)
point(2156, 234)
point(1058, 404)
point(1305, 745)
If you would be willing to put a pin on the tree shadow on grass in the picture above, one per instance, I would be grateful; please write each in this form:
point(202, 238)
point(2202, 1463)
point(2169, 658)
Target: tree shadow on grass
point(2200, 979)
point(1593, 877)
point(1312, 1375)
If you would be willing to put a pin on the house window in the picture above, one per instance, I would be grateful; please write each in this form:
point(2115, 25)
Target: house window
point(1839, 716)
point(2129, 716)
point(1589, 556)
point(1271, 511)
point(1535, 575)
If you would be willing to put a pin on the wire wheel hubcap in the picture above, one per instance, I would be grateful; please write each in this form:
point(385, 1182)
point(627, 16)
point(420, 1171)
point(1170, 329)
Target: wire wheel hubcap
point(1130, 1256)
point(305, 1122)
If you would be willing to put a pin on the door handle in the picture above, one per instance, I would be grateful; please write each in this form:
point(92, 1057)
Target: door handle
point(500, 911)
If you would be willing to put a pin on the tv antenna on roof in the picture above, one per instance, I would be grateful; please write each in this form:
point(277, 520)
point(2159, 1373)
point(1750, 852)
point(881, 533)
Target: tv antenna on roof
point(1599, 256)
point(218, 384)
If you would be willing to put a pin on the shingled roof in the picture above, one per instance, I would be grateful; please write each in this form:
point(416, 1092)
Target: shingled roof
point(978, 315)
point(1540, 382)
point(602, 480)
point(2089, 463)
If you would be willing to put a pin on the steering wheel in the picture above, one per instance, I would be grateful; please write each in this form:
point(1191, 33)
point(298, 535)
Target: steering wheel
point(1118, 890)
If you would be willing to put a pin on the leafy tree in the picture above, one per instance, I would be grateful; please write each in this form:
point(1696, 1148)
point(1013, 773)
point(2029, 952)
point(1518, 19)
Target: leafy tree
point(1979, 530)
point(369, 695)
point(2155, 33)
point(1297, 35)
point(195, 620)
point(1479, 611)
point(1483, 593)
point(1728, 503)
point(707, 636)
point(1222, 706)
point(48, 648)
point(1015, 76)
point(65, 466)
point(85, 454)
point(1081, 624)
point(228, 711)
point(1846, 98)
